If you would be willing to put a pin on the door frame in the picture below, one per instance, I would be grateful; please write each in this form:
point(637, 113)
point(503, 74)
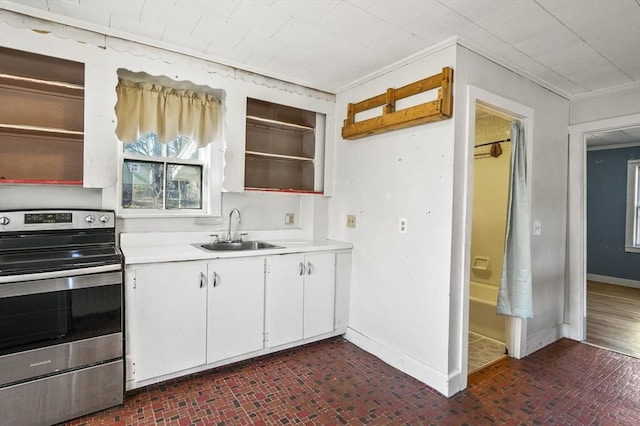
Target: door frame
point(577, 217)
point(516, 328)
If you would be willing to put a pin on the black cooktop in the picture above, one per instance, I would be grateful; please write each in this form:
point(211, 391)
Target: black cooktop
point(48, 260)
point(42, 249)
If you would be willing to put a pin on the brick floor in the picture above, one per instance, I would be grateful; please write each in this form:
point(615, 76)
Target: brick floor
point(335, 383)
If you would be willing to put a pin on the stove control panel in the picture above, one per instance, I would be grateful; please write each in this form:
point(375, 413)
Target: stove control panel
point(30, 220)
point(47, 218)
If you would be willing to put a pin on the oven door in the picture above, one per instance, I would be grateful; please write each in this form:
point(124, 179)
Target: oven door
point(55, 324)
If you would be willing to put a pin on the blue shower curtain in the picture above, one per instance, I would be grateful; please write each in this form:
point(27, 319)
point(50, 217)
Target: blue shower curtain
point(515, 294)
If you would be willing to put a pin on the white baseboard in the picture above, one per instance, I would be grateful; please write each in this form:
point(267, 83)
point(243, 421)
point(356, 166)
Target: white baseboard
point(446, 385)
point(565, 329)
point(614, 280)
point(544, 338)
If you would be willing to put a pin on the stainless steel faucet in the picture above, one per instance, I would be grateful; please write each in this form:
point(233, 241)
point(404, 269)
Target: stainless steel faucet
point(230, 216)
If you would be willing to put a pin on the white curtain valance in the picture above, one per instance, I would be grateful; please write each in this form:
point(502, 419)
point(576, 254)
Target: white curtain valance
point(148, 107)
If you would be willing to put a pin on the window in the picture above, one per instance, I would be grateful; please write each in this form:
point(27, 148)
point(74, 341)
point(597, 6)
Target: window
point(161, 176)
point(166, 161)
point(632, 240)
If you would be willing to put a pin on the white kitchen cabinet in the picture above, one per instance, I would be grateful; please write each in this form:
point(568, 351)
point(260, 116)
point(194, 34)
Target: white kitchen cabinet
point(235, 323)
point(170, 318)
point(301, 297)
point(182, 317)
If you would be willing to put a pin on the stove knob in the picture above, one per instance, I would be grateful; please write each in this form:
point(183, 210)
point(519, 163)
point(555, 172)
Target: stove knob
point(90, 219)
point(4, 220)
point(104, 218)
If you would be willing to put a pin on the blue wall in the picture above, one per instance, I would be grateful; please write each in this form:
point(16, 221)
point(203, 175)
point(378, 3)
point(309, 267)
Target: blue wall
point(606, 214)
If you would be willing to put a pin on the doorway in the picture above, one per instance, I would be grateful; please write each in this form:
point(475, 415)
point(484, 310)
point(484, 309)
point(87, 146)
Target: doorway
point(577, 220)
point(491, 176)
point(515, 328)
point(613, 276)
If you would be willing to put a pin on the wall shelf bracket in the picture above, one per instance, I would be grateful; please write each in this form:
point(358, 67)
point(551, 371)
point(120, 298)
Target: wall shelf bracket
point(392, 119)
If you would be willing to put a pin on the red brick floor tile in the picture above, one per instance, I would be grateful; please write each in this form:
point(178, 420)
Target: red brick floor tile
point(335, 383)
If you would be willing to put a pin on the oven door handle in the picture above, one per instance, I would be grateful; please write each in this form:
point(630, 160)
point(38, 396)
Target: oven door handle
point(59, 274)
point(25, 288)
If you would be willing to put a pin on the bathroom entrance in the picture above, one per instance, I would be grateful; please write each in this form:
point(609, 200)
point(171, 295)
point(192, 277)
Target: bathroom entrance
point(491, 175)
point(514, 337)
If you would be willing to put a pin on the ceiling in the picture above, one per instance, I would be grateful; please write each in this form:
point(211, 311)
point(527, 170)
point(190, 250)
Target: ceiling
point(573, 47)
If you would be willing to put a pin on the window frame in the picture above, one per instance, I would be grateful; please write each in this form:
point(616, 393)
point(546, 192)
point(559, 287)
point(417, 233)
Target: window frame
point(210, 196)
point(632, 231)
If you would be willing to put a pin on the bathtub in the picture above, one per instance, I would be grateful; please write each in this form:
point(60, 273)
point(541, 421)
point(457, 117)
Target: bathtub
point(482, 311)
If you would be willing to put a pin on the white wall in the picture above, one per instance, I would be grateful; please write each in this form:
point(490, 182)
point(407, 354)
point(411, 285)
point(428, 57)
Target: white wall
point(103, 56)
point(408, 291)
point(400, 283)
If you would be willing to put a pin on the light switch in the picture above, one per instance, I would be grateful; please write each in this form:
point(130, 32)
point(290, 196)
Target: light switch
point(351, 221)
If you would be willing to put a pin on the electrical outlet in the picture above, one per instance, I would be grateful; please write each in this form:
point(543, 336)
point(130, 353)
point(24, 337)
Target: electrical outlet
point(537, 227)
point(402, 225)
point(351, 221)
point(289, 219)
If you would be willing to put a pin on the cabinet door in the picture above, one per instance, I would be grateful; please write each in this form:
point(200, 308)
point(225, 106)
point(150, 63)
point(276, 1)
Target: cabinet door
point(236, 308)
point(285, 299)
point(170, 319)
point(319, 294)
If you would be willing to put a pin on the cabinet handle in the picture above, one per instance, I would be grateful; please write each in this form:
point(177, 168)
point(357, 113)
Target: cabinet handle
point(309, 268)
point(215, 279)
point(301, 268)
point(203, 279)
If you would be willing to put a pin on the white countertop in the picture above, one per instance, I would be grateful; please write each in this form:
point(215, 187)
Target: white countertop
point(136, 251)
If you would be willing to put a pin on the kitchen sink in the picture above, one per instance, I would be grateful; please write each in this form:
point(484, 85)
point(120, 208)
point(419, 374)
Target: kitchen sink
point(237, 245)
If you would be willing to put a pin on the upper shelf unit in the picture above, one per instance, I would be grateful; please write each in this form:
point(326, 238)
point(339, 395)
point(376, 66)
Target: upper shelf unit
point(41, 118)
point(281, 151)
point(272, 124)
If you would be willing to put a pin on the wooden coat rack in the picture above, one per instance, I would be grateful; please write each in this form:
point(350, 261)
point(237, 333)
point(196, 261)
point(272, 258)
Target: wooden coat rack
point(439, 109)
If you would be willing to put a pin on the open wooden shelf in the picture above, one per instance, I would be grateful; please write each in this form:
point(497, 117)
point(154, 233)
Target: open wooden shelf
point(41, 119)
point(21, 129)
point(283, 190)
point(40, 182)
point(278, 156)
point(280, 148)
point(278, 125)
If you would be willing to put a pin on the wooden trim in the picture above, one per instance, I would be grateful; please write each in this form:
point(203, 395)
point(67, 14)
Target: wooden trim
point(440, 109)
point(278, 156)
point(40, 130)
point(290, 191)
point(40, 182)
point(291, 126)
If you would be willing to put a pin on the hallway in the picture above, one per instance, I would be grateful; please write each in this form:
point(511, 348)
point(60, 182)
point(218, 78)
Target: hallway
point(613, 317)
point(334, 382)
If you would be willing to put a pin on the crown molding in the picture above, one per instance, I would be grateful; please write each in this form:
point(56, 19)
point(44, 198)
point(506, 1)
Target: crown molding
point(634, 85)
point(46, 15)
point(513, 67)
point(399, 64)
point(110, 32)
